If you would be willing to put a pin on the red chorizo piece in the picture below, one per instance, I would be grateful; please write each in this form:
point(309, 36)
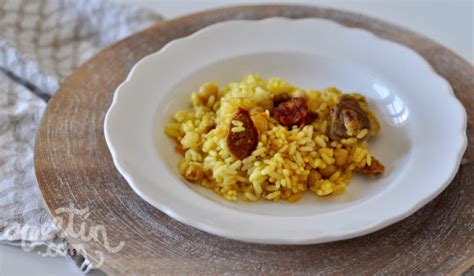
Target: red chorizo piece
point(291, 112)
point(242, 143)
point(375, 168)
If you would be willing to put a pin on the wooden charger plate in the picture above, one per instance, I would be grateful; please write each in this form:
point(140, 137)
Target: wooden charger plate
point(74, 166)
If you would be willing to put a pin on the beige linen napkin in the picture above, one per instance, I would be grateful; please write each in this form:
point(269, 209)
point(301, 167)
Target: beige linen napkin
point(42, 42)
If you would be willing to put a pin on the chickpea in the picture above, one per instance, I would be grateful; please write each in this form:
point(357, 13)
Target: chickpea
point(313, 176)
point(194, 172)
point(208, 89)
point(328, 171)
point(341, 156)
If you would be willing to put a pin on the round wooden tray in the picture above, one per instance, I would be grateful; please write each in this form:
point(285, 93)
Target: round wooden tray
point(74, 166)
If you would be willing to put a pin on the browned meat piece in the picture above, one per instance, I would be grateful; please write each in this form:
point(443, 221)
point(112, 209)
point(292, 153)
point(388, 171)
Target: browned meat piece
point(280, 98)
point(375, 168)
point(242, 143)
point(347, 118)
point(292, 112)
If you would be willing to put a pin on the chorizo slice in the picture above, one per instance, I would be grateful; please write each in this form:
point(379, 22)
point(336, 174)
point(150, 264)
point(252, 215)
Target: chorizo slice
point(291, 112)
point(242, 138)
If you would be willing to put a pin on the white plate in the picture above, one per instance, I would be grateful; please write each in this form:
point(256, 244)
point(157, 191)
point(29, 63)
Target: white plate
point(421, 142)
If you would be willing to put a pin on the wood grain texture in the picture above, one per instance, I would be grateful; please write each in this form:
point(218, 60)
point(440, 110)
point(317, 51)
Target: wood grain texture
point(73, 165)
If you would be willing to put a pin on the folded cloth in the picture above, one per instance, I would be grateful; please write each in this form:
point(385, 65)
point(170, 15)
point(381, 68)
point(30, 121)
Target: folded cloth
point(41, 43)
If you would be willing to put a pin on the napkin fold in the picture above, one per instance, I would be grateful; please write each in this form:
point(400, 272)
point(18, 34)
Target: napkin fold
point(41, 43)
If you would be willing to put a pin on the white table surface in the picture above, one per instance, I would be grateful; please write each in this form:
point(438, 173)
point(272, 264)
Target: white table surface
point(450, 23)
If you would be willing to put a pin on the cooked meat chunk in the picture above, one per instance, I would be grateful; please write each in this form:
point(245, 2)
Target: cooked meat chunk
point(242, 138)
point(292, 112)
point(280, 98)
point(348, 118)
point(375, 168)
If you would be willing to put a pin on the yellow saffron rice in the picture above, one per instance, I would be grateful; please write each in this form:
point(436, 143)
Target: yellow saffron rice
point(286, 162)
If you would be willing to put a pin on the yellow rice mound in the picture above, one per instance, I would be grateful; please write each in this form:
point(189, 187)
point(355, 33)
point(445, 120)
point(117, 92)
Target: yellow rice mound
point(280, 166)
